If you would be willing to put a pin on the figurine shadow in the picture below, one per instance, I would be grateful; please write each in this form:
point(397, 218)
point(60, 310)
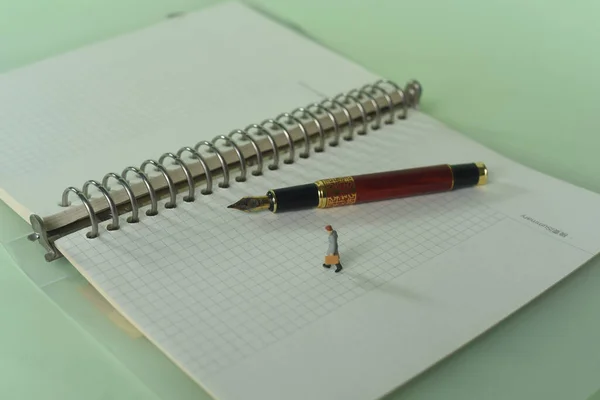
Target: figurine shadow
point(395, 289)
point(392, 288)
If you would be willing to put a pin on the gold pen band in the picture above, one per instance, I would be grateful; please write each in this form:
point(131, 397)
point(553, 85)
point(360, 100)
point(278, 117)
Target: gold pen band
point(336, 192)
point(483, 173)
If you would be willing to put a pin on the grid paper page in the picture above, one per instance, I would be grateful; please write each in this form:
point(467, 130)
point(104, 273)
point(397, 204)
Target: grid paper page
point(241, 301)
point(119, 102)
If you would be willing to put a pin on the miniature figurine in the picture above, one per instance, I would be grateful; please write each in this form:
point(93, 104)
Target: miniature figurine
point(333, 256)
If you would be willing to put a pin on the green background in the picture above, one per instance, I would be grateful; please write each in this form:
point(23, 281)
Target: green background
point(520, 77)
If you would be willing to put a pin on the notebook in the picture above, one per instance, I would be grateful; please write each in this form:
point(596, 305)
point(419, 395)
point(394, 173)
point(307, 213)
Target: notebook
point(227, 103)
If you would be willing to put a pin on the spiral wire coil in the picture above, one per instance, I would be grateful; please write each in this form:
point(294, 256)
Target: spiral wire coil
point(409, 96)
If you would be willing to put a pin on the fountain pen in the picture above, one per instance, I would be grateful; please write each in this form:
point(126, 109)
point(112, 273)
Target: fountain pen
point(379, 186)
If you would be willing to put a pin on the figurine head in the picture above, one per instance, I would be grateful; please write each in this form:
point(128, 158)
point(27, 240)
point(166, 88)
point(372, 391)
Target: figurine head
point(328, 228)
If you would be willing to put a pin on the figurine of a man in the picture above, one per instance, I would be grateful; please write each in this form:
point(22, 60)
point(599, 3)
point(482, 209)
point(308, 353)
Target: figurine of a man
point(332, 250)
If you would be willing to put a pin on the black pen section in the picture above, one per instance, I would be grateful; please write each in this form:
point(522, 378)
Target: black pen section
point(294, 198)
point(467, 175)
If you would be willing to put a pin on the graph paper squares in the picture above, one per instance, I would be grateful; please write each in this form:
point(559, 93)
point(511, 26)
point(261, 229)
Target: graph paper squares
point(217, 298)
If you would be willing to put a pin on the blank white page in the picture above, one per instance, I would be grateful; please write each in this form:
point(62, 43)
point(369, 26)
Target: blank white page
point(118, 102)
point(242, 303)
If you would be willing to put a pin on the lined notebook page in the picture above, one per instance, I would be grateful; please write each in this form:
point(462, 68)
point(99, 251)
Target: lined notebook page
point(121, 101)
point(242, 303)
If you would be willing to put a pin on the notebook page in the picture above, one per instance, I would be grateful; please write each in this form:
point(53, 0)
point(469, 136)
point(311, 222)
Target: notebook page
point(116, 103)
point(242, 304)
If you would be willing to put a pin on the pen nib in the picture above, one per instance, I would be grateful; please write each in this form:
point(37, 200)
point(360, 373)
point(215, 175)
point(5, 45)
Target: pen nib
point(249, 204)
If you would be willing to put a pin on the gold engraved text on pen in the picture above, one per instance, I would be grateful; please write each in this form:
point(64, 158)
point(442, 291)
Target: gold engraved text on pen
point(336, 192)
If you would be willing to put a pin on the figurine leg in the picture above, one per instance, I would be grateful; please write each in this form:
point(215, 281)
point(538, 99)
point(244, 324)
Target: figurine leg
point(338, 267)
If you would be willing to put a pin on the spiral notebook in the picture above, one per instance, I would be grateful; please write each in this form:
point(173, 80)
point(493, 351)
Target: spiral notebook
point(124, 156)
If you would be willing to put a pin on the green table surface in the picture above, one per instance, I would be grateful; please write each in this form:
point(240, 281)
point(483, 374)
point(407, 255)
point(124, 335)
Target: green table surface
point(520, 77)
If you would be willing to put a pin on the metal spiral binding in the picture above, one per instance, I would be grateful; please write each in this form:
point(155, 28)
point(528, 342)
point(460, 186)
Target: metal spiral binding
point(257, 151)
point(288, 137)
point(188, 175)
point(204, 165)
point(332, 118)
point(173, 202)
point(134, 204)
point(151, 192)
point(263, 131)
point(282, 124)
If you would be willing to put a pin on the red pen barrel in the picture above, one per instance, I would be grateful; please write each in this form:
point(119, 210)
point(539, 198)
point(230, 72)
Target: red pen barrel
point(403, 183)
point(379, 186)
